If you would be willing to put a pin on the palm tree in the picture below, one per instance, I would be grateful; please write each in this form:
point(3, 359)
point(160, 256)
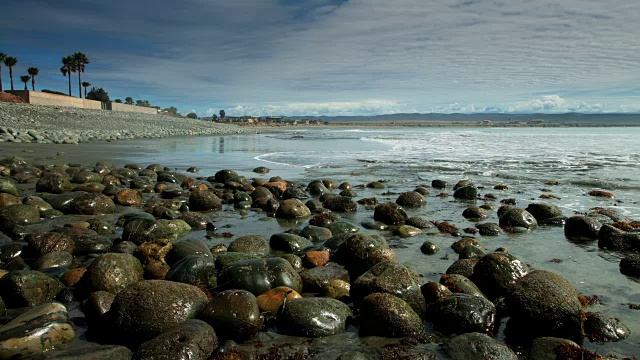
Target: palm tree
point(68, 66)
point(25, 79)
point(85, 85)
point(81, 60)
point(2, 57)
point(33, 71)
point(10, 62)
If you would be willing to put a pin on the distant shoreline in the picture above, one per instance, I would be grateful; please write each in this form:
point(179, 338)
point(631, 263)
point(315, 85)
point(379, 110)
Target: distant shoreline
point(437, 124)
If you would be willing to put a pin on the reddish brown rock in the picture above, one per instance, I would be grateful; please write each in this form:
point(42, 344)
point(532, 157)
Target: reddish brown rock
point(8, 199)
point(71, 277)
point(316, 258)
point(602, 193)
point(270, 301)
point(129, 197)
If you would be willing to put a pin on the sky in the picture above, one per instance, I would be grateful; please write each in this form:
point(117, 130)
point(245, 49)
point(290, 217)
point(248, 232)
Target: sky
point(338, 57)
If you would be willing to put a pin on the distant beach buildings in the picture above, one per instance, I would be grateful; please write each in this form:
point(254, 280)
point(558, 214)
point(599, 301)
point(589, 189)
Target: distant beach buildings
point(268, 120)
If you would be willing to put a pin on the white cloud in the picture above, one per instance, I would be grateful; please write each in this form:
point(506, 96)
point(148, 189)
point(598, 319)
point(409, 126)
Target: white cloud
point(331, 57)
point(549, 103)
point(369, 107)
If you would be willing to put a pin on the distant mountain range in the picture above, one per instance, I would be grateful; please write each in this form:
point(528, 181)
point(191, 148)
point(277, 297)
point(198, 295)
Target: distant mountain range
point(567, 118)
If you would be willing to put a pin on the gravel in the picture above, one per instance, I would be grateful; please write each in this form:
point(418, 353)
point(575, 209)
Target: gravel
point(64, 125)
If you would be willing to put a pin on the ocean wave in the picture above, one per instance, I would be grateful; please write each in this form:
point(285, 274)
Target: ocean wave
point(262, 158)
point(604, 184)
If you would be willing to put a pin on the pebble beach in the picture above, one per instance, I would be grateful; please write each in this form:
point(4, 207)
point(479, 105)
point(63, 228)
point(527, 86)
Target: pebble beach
point(64, 125)
point(114, 260)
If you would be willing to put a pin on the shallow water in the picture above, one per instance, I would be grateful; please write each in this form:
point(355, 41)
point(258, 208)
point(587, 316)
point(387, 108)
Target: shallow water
point(580, 159)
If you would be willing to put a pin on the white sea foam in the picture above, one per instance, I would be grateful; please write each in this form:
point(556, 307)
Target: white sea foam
point(264, 156)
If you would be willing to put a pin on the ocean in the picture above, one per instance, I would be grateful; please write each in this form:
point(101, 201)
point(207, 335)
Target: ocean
point(565, 162)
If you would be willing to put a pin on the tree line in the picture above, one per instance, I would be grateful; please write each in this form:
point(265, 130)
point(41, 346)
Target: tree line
point(10, 62)
point(76, 63)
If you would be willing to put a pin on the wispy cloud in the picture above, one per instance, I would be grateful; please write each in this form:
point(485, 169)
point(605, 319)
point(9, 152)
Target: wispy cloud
point(370, 107)
point(332, 57)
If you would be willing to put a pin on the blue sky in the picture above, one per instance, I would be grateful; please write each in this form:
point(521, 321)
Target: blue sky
point(339, 57)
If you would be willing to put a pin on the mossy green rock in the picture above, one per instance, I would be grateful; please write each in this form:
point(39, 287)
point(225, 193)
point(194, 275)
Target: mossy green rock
point(54, 183)
point(460, 284)
point(292, 209)
point(143, 183)
point(18, 214)
point(314, 279)
point(462, 313)
point(175, 228)
point(317, 188)
point(250, 244)
point(195, 270)
point(366, 258)
point(139, 231)
point(226, 258)
point(92, 204)
point(429, 247)
point(582, 228)
point(234, 314)
point(313, 317)
point(7, 186)
point(86, 177)
point(124, 173)
point(543, 212)
point(495, 273)
point(148, 308)
point(475, 213)
point(630, 265)
point(316, 233)
point(341, 227)
point(197, 221)
point(518, 218)
point(54, 259)
point(466, 193)
point(489, 229)
point(391, 278)
point(383, 314)
point(93, 352)
point(477, 346)
point(290, 243)
point(27, 288)
point(204, 200)
point(406, 231)
point(601, 328)
point(294, 260)
point(545, 348)
point(187, 247)
point(547, 305)
point(340, 203)
point(260, 275)
point(411, 199)
point(390, 213)
point(194, 340)
point(225, 175)
point(612, 238)
point(113, 272)
point(351, 244)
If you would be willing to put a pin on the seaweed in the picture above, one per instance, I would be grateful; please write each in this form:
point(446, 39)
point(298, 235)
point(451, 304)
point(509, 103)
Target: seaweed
point(572, 352)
